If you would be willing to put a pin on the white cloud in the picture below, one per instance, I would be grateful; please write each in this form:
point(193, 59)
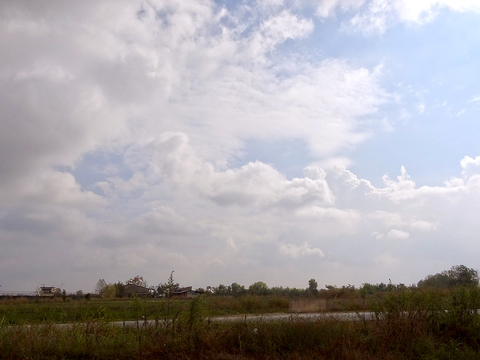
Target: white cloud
point(154, 103)
point(400, 190)
point(402, 220)
point(277, 29)
point(164, 220)
point(389, 219)
point(302, 250)
point(411, 10)
point(326, 8)
point(254, 184)
point(387, 260)
point(232, 244)
point(177, 66)
point(334, 162)
point(397, 234)
point(470, 166)
point(375, 16)
point(422, 225)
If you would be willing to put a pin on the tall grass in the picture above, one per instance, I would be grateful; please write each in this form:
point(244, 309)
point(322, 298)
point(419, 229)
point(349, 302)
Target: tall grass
point(225, 305)
point(54, 310)
point(409, 325)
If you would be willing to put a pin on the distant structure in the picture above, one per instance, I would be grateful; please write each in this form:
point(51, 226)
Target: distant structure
point(131, 289)
point(48, 291)
point(184, 293)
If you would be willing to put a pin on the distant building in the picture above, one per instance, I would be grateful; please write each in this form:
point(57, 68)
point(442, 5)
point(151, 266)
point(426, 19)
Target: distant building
point(184, 293)
point(48, 291)
point(130, 289)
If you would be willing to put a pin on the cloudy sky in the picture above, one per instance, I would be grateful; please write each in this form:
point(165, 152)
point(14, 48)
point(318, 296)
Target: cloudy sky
point(238, 141)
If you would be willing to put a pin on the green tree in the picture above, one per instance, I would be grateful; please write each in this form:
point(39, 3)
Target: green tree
point(237, 290)
point(312, 287)
point(169, 287)
point(109, 291)
point(458, 275)
point(367, 289)
point(461, 275)
point(119, 287)
point(258, 288)
point(221, 290)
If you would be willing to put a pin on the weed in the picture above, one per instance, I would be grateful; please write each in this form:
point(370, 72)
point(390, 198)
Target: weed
point(410, 324)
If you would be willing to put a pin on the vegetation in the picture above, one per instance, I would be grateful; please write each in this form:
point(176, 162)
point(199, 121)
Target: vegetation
point(436, 319)
point(457, 276)
point(410, 324)
point(55, 310)
point(168, 288)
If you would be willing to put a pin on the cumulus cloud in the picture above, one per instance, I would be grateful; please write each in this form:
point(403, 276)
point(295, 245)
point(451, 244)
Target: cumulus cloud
point(327, 8)
point(422, 225)
point(163, 66)
point(255, 184)
point(123, 130)
point(164, 220)
point(398, 234)
point(470, 166)
point(390, 220)
point(375, 16)
point(276, 30)
point(302, 250)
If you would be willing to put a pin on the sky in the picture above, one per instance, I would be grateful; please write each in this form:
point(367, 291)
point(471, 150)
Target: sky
point(238, 141)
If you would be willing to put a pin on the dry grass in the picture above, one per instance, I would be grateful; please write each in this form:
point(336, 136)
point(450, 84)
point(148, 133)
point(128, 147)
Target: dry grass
point(411, 325)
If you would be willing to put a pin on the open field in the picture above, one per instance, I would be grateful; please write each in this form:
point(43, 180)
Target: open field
point(55, 310)
point(410, 325)
point(35, 310)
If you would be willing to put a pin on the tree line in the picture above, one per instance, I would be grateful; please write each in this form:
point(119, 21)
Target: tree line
point(458, 275)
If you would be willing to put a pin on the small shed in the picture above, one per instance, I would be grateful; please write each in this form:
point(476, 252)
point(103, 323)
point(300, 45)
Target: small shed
point(184, 293)
point(48, 291)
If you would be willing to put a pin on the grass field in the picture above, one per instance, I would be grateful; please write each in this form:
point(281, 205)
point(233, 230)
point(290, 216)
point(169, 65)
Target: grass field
point(55, 310)
point(412, 325)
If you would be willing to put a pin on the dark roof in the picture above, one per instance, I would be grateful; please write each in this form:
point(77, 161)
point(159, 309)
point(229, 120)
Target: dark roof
point(183, 290)
point(130, 289)
point(136, 288)
point(48, 288)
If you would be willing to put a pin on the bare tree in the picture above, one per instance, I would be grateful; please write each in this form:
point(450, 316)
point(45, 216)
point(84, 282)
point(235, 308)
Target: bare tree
point(101, 284)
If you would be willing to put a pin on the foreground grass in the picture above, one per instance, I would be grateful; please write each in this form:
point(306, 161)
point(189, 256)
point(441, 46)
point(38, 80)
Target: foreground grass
point(284, 340)
point(410, 325)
